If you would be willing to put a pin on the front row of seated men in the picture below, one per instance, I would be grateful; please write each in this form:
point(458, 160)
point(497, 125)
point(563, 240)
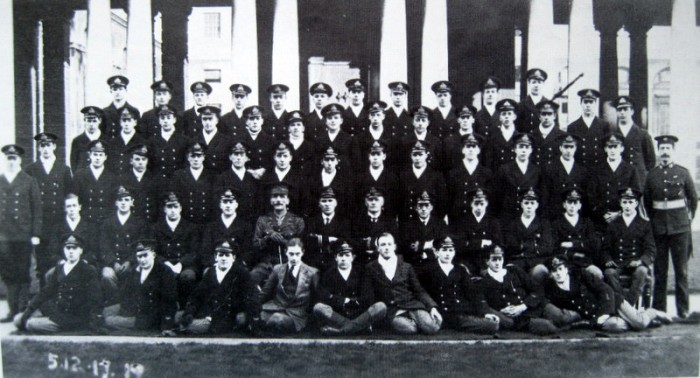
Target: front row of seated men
point(346, 299)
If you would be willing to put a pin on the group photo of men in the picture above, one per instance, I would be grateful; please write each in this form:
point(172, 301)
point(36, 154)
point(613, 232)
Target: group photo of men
point(369, 218)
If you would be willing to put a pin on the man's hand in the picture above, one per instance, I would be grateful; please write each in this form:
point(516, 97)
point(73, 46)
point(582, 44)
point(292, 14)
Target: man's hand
point(611, 264)
point(492, 318)
point(277, 237)
point(177, 268)
point(513, 311)
point(602, 319)
point(486, 243)
point(414, 246)
point(332, 239)
point(435, 314)
point(611, 216)
point(635, 263)
point(25, 317)
point(35, 240)
point(567, 244)
point(257, 173)
point(428, 245)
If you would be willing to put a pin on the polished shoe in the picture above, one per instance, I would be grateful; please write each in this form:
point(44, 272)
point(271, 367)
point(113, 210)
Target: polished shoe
point(331, 331)
point(8, 319)
point(663, 317)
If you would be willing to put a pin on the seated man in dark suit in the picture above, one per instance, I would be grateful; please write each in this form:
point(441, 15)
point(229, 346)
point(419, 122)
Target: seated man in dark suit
point(391, 281)
point(226, 299)
point(147, 295)
point(421, 232)
point(289, 292)
point(325, 228)
point(368, 225)
point(462, 303)
point(71, 299)
point(339, 306)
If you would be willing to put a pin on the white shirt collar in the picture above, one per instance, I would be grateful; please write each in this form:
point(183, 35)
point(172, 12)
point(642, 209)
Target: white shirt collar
point(470, 165)
point(228, 221)
point(625, 129)
point(48, 163)
point(527, 222)
point(282, 174)
point(356, 109)
point(68, 267)
point(196, 172)
point(446, 268)
point(145, 273)
point(389, 266)
point(418, 171)
point(294, 270)
point(221, 274)
point(630, 219)
point(568, 165)
point(572, 220)
point(171, 224)
point(332, 135)
point(588, 121)
point(345, 273)
point(127, 137)
point(479, 218)
point(507, 132)
point(445, 111)
point(238, 172)
point(139, 175)
point(97, 172)
point(73, 224)
point(376, 172)
point(166, 134)
point(490, 108)
point(123, 218)
point(327, 178)
point(208, 136)
point(278, 113)
point(296, 142)
point(522, 166)
point(376, 134)
point(614, 165)
point(94, 136)
point(498, 276)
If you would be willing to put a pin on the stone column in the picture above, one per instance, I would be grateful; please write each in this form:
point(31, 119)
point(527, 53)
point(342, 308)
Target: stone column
point(435, 49)
point(139, 54)
point(685, 114)
point(244, 46)
point(608, 19)
point(640, 18)
point(285, 50)
point(7, 74)
point(584, 54)
point(175, 49)
point(99, 53)
point(540, 30)
point(393, 60)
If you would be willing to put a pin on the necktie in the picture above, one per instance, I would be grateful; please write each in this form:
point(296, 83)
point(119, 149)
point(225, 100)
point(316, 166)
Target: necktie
point(326, 220)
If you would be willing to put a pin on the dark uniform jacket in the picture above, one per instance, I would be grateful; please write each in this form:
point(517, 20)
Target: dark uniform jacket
point(241, 231)
point(267, 250)
point(72, 301)
point(639, 151)
point(547, 148)
point(622, 244)
point(314, 125)
point(343, 184)
point(334, 289)
point(415, 231)
point(362, 143)
point(20, 208)
point(231, 124)
point(222, 301)
point(178, 246)
point(588, 295)
point(86, 229)
point(516, 289)
point(116, 239)
point(441, 126)
point(589, 151)
point(399, 125)
point(486, 124)
point(168, 156)
point(96, 195)
point(532, 244)
point(276, 127)
point(556, 179)
point(355, 124)
point(436, 159)
point(196, 195)
point(460, 182)
point(146, 194)
point(260, 149)
point(296, 303)
point(217, 151)
point(110, 120)
point(319, 253)
point(149, 126)
point(118, 154)
point(342, 144)
point(388, 181)
point(404, 292)
point(508, 182)
point(411, 186)
point(454, 293)
point(53, 187)
point(670, 183)
point(79, 151)
point(298, 189)
point(584, 237)
point(469, 235)
point(247, 189)
point(365, 233)
point(528, 115)
point(452, 151)
point(191, 124)
point(153, 303)
point(498, 151)
point(305, 157)
point(604, 187)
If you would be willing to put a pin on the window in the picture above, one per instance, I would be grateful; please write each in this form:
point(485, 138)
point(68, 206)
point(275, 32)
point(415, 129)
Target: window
point(212, 25)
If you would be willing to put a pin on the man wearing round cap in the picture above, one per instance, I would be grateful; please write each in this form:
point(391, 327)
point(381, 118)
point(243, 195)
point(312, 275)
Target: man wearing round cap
point(275, 118)
point(324, 228)
point(177, 242)
point(339, 309)
point(512, 297)
point(118, 231)
point(444, 121)
point(501, 143)
point(96, 184)
point(259, 143)
point(20, 227)
point(639, 148)
point(590, 128)
point(398, 120)
point(110, 122)
point(515, 176)
point(452, 144)
point(320, 94)
point(468, 173)
point(378, 175)
point(355, 118)
point(150, 121)
point(226, 299)
point(671, 201)
point(529, 113)
point(71, 299)
point(563, 172)
point(231, 225)
point(528, 237)
point(419, 234)
point(487, 117)
point(628, 247)
point(421, 120)
point(123, 142)
point(286, 171)
point(459, 299)
point(238, 179)
point(169, 144)
point(330, 176)
point(142, 183)
point(611, 175)
point(217, 143)
point(370, 223)
point(273, 230)
point(147, 294)
point(72, 222)
point(92, 119)
point(547, 134)
point(373, 132)
point(334, 136)
point(476, 231)
point(303, 148)
point(190, 118)
point(576, 295)
point(194, 186)
point(233, 122)
point(420, 177)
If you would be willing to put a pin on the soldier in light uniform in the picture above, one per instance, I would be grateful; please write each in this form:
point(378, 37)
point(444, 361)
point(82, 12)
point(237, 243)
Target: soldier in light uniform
point(671, 201)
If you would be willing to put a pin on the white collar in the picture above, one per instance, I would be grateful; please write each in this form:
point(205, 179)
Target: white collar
point(527, 222)
point(328, 217)
point(625, 129)
point(332, 135)
point(588, 120)
point(420, 137)
point(327, 178)
point(470, 165)
point(490, 108)
point(97, 172)
point(376, 134)
point(48, 163)
point(345, 273)
point(536, 100)
point(478, 219)
point(278, 113)
point(73, 224)
point(221, 274)
point(566, 285)
point(240, 172)
point(376, 172)
point(568, 165)
point(389, 266)
point(614, 165)
point(123, 218)
point(296, 142)
point(418, 171)
point(445, 111)
point(545, 131)
point(10, 176)
point(68, 267)
point(228, 221)
point(630, 219)
point(572, 220)
point(145, 273)
point(522, 166)
point(139, 175)
point(171, 224)
point(94, 136)
point(208, 136)
point(166, 134)
point(127, 137)
point(196, 172)
point(507, 132)
point(498, 276)
point(356, 109)
point(446, 268)
point(282, 174)
point(295, 270)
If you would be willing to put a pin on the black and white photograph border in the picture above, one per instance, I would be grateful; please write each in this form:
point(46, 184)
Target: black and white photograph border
point(57, 55)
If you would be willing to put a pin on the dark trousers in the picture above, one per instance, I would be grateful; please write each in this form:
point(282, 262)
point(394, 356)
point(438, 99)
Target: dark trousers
point(677, 245)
